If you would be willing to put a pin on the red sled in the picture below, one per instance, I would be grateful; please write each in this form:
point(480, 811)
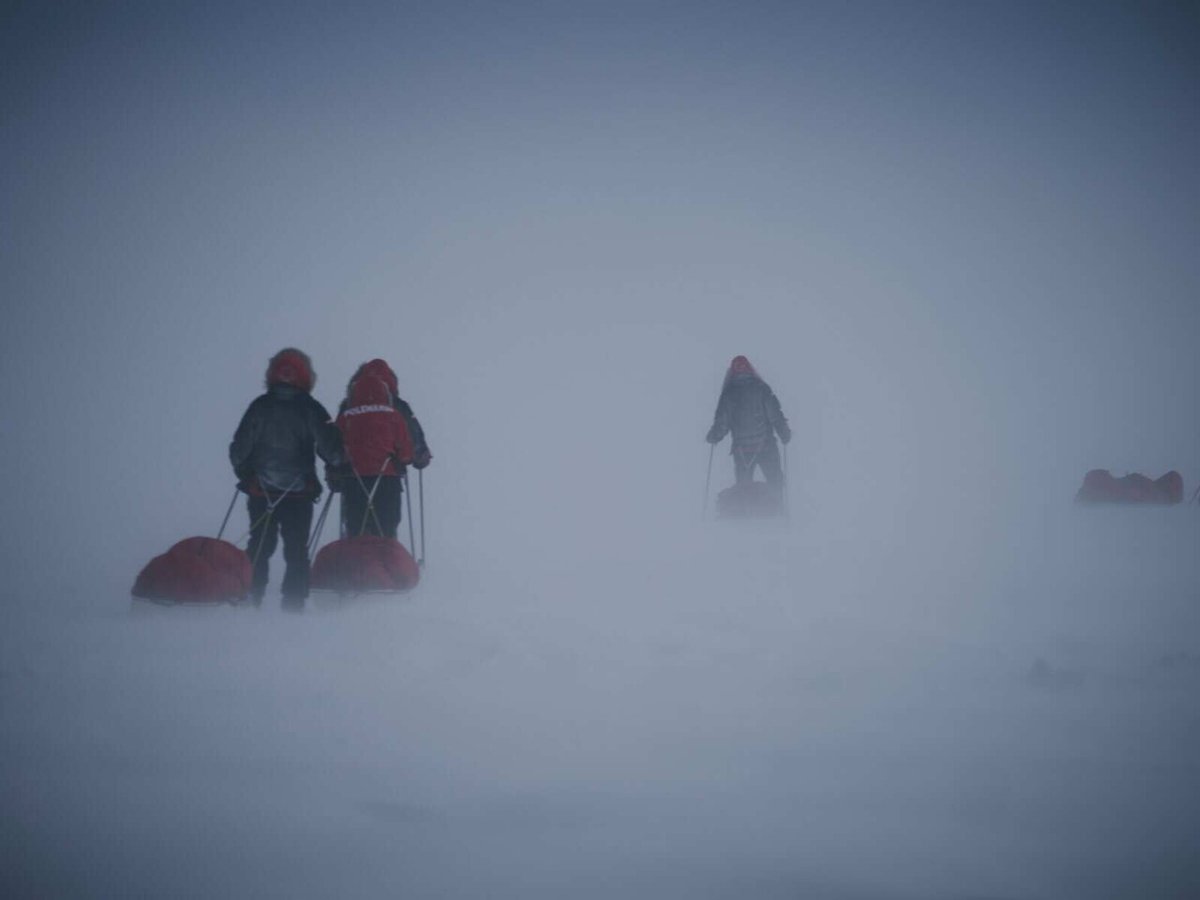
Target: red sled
point(364, 564)
point(1099, 486)
point(198, 570)
point(751, 500)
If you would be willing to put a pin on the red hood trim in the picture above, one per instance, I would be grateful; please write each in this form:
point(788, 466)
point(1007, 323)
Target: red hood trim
point(292, 366)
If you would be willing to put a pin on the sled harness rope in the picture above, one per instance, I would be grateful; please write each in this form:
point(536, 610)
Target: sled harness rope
point(265, 519)
point(370, 510)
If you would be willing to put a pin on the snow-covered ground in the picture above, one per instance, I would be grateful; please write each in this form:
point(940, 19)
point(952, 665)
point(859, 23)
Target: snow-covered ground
point(708, 710)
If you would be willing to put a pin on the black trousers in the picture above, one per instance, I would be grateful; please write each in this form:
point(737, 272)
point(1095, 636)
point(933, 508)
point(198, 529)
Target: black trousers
point(384, 516)
point(292, 517)
point(765, 455)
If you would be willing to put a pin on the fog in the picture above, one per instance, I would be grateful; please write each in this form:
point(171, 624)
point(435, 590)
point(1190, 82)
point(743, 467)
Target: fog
point(958, 240)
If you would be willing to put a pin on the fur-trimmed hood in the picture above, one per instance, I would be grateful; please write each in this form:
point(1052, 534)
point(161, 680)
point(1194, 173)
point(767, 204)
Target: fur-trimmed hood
point(294, 367)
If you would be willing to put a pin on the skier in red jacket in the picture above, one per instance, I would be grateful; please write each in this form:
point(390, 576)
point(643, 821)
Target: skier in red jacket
point(378, 444)
point(378, 368)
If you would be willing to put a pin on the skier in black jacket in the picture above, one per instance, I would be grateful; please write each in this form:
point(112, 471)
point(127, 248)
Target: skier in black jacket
point(749, 410)
point(273, 457)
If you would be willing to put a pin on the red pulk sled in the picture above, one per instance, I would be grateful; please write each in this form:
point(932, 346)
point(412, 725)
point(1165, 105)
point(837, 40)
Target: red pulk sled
point(363, 564)
point(196, 570)
point(1099, 486)
point(752, 500)
point(199, 570)
point(367, 563)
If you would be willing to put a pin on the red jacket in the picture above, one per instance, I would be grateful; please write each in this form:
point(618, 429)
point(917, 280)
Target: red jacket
point(374, 433)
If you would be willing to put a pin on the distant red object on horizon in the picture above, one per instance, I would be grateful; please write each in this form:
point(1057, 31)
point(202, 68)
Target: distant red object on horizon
point(1099, 486)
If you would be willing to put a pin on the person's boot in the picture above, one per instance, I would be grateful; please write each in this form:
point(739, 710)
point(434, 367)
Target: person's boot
point(295, 586)
point(254, 598)
point(293, 604)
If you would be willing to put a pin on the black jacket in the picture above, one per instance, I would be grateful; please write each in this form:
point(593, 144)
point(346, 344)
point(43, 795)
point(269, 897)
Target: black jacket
point(277, 438)
point(750, 410)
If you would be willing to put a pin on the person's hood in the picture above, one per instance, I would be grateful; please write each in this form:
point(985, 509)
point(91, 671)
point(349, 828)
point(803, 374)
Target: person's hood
point(741, 366)
point(740, 371)
point(370, 391)
point(376, 368)
point(293, 367)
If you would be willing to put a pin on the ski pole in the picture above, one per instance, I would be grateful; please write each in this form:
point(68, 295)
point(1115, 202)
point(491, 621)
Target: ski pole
point(228, 512)
point(712, 448)
point(320, 526)
point(412, 545)
point(787, 485)
point(421, 498)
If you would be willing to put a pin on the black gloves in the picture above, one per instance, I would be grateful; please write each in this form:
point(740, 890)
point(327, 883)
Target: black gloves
point(245, 478)
point(336, 476)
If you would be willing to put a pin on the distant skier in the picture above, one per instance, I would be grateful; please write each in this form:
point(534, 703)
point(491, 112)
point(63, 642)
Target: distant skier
point(273, 457)
point(750, 411)
point(378, 446)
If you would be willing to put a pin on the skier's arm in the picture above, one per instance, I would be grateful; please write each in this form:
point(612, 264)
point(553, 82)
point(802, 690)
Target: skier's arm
point(336, 475)
point(420, 447)
point(720, 425)
point(244, 439)
point(402, 441)
point(327, 437)
point(778, 421)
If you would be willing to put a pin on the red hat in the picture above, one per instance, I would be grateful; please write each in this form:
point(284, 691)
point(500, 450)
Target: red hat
point(291, 366)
